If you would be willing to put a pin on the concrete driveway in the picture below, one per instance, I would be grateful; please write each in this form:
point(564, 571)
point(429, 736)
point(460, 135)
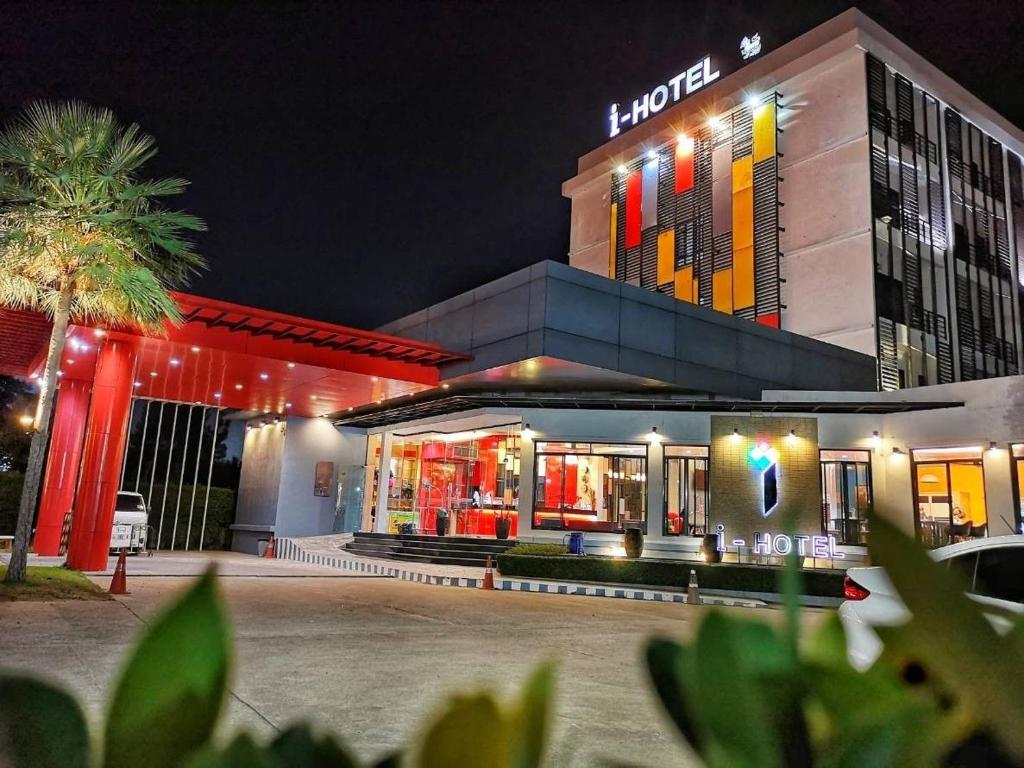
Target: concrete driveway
point(368, 657)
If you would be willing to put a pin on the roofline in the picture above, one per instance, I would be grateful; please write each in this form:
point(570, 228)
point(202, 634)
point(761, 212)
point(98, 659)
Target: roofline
point(849, 30)
point(432, 405)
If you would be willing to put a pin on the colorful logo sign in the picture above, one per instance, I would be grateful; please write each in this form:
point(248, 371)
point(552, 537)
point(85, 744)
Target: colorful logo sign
point(765, 460)
point(750, 46)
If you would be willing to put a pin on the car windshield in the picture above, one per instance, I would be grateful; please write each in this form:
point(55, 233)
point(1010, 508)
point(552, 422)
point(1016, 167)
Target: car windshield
point(130, 502)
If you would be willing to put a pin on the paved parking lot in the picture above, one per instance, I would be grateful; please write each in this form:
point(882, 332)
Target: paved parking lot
point(368, 657)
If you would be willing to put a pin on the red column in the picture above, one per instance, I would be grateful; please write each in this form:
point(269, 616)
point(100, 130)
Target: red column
point(62, 464)
point(102, 455)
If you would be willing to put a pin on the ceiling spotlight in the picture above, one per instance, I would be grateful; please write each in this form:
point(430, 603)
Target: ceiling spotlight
point(527, 433)
point(312, 397)
point(99, 333)
point(175, 361)
point(992, 447)
point(714, 122)
point(217, 395)
point(60, 373)
point(652, 155)
point(153, 374)
point(735, 434)
point(291, 365)
point(26, 421)
point(622, 169)
point(445, 386)
point(70, 361)
point(373, 378)
point(238, 386)
point(199, 402)
point(264, 376)
point(137, 384)
point(350, 408)
point(287, 405)
point(752, 101)
point(195, 349)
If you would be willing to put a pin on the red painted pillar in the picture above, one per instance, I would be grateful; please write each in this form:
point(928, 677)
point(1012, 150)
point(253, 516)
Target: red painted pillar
point(102, 455)
point(62, 464)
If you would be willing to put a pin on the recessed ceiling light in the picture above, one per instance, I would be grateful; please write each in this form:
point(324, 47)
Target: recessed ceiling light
point(138, 384)
point(287, 405)
point(153, 374)
point(99, 333)
point(70, 361)
point(60, 373)
point(445, 386)
point(195, 349)
point(350, 408)
point(291, 365)
point(238, 386)
point(264, 376)
point(312, 397)
point(373, 378)
point(175, 361)
point(199, 402)
point(217, 395)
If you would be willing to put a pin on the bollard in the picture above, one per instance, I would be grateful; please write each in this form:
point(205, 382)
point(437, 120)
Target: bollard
point(269, 551)
point(692, 590)
point(119, 584)
point(488, 575)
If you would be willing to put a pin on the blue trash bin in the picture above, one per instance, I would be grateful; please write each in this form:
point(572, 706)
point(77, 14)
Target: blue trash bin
point(576, 543)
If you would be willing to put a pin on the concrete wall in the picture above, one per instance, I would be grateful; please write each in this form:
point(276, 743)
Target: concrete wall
point(258, 486)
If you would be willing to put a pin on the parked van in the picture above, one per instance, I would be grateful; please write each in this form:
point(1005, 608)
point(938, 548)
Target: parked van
point(131, 520)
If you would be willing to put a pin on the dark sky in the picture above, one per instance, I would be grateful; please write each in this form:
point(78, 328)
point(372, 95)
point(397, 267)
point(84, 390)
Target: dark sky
point(356, 162)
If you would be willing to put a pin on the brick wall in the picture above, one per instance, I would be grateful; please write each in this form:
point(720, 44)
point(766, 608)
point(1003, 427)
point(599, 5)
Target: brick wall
point(736, 484)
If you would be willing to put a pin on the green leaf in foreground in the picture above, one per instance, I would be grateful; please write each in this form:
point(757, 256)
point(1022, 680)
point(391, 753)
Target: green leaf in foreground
point(40, 726)
point(170, 694)
point(298, 746)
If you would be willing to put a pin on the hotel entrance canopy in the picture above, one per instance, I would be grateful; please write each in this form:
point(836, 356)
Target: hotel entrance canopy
point(240, 357)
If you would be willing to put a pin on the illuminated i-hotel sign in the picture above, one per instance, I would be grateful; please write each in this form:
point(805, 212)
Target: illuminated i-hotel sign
point(679, 87)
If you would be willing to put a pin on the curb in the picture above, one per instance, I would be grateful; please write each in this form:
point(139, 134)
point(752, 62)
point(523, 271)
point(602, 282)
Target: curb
point(289, 549)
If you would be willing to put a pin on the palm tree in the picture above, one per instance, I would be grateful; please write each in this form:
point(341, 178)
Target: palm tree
point(83, 237)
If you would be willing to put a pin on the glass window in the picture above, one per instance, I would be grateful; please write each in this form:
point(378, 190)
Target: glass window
point(1001, 574)
point(686, 490)
point(1018, 482)
point(949, 487)
point(846, 495)
point(964, 565)
point(590, 486)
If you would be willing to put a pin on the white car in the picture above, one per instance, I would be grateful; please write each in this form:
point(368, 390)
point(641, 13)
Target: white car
point(993, 567)
point(131, 521)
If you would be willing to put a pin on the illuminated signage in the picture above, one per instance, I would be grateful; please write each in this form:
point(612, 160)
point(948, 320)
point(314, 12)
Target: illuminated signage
point(765, 460)
point(680, 86)
point(750, 46)
point(779, 544)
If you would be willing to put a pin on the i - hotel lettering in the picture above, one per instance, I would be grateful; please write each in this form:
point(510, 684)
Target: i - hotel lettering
point(680, 86)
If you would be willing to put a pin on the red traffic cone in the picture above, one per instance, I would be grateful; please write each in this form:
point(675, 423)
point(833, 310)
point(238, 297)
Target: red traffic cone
point(119, 584)
point(269, 551)
point(488, 575)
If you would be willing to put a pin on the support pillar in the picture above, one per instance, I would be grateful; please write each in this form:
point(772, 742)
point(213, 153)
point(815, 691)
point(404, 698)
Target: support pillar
point(102, 455)
point(62, 463)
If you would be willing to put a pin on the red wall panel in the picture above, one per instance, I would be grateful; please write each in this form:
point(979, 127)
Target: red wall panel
point(633, 206)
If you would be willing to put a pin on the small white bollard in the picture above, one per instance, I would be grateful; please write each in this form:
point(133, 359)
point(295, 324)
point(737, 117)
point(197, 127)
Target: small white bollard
point(692, 590)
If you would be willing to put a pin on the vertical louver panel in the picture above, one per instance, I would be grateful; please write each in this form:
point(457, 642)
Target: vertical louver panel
point(703, 204)
point(649, 259)
point(766, 240)
point(888, 365)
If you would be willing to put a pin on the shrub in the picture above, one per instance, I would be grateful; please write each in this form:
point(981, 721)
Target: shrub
point(10, 499)
point(526, 548)
point(664, 573)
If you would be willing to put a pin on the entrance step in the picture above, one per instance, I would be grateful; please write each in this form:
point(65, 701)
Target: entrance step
point(440, 550)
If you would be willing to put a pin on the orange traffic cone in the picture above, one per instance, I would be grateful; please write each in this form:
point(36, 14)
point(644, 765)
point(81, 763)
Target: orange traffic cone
point(119, 584)
point(269, 551)
point(488, 575)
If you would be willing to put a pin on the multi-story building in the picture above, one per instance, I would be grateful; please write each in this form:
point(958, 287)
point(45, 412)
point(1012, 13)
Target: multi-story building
point(840, 187)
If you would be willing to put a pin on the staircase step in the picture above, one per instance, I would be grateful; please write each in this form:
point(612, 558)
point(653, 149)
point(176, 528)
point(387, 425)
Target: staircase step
point(440, 550)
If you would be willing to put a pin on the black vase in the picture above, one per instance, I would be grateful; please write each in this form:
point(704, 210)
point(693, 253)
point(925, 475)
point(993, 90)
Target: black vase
point(442, 526)
point(633, 543)
point(502, 526)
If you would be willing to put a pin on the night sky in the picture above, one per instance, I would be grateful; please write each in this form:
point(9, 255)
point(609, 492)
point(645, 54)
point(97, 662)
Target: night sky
point(356, 162)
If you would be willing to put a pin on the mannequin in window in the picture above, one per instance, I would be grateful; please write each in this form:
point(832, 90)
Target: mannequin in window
point(587, 498)
point(961, 527)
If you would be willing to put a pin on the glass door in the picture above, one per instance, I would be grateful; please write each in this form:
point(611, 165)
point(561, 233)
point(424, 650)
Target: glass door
point(846, 495)
point(949, 487)
point(686, 490)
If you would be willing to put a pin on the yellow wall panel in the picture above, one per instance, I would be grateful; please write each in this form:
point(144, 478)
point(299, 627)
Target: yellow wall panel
point(721, 291)
point(743, 277)
point(686, 286)
point(742, 218)
point(666, 256)
point(742, 173)
point(764, 131)
point(612, 240)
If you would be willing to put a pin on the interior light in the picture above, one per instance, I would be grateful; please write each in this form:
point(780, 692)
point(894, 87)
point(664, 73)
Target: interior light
point(248, 427)
point(71, 361)
point(60, 373)
point(897, 451)
point(791, 437)
point(714, 122)
point(26, 421)
point(199, 402)
point(682, 138)
point(350, 407)
point(277, 419)
point(312, 397)
point(34, 376)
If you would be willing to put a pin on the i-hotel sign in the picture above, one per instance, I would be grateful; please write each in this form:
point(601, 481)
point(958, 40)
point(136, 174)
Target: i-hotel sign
point(680, 86)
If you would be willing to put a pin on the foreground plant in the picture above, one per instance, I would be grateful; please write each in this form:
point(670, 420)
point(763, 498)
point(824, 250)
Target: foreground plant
point(83, 237)
point(949, 690)
point(170, 696)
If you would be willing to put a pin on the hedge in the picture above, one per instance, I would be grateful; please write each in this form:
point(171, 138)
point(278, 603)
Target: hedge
point(666, 573)
point(530, 548)
point(219, 515)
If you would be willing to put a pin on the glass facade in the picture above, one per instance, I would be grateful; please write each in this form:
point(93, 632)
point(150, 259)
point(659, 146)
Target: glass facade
point(949, 490)
point(471, 478)
point(1017, 459)
point(946, 295)
point(590, 486)
point(846, 495)
point(686, 490)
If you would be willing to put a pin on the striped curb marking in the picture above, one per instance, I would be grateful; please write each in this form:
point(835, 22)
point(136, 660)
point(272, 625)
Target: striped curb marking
point(287, 549)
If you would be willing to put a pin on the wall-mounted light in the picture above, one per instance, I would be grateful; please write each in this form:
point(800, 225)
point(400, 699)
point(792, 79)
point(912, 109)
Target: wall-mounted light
point(527, 433)
point(992, 447)
point(897, 451)
point(876, 438)
point(735, 436)
point(791, 437)
point(653, 436)
point(622, 170)
point(652, 155)
point(753, 102)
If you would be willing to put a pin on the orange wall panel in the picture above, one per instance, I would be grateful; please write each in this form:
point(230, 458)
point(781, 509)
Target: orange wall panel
point(721, 291)
point(742, 173)
point(666, 256)
point(611, 240)
point(764, 132)
point(742, 218)
point(685, 285)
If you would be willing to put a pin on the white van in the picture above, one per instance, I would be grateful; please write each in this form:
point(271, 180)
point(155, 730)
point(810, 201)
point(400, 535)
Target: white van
point(130, 522)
